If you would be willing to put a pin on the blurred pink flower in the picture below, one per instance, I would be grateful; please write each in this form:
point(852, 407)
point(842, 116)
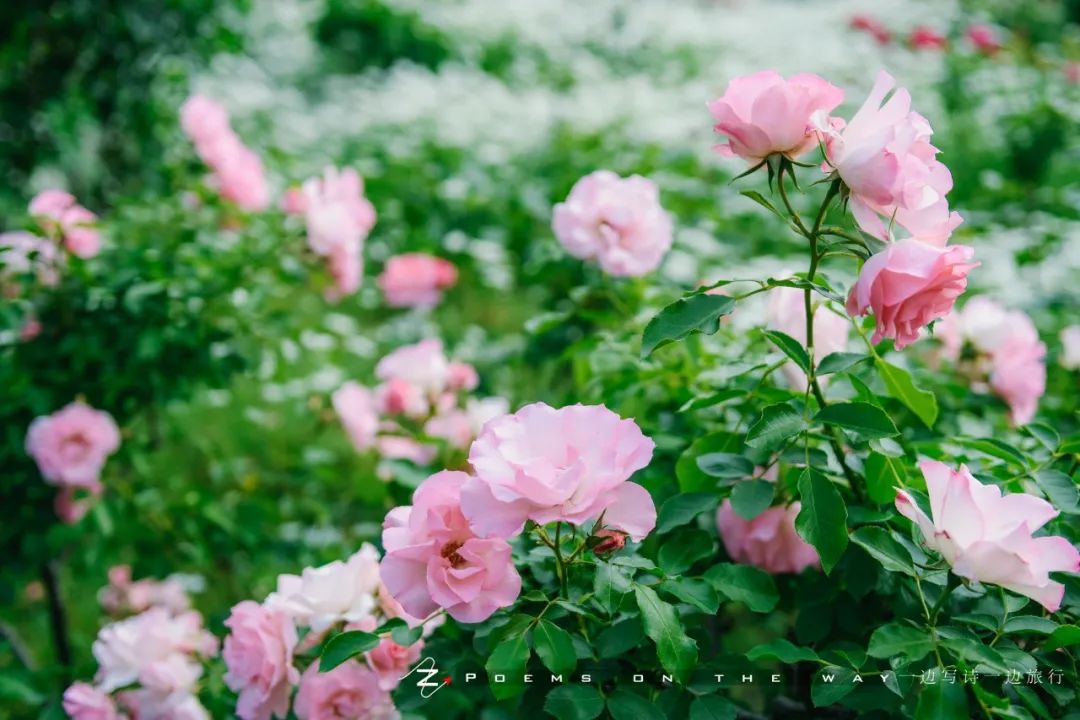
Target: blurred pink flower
point(58, 211)
point(350, 690)
point(769, 541)
point(23, 253)
point(459, 427)
point(926, 38)
point(124, 595)
point(346, 266)
point(85, 702)
point(908, 285)
point(321, 597)
point(391, 661)
point(416, 280)
point(336, 210)
point(568, 464)
point(421, 372)
point(1019, 375)
point(154, 648)
point(72, 503)
point(293, 201)
point(616, 221)
point(258, 656)
point(763, 114)
point(987, 537)
point(786, 312)
point(434, 559)
point(395, 447)
point(985, 38)
point(1071, 70)
point(869, 25)
point(461, 376)
point(203, 119)
point(146, 704)
point(240, 177)
point(71, 445)
point(355, 407)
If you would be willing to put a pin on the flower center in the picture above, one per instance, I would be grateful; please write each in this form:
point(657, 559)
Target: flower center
point(450, 552)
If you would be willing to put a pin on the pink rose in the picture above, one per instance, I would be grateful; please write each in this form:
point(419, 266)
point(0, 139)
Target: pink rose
point(398, 396)
point(1071, 70)
point(987, 537)
point(145, 704)
point(416, 280)
point(763, 114)
point(769, 541)
point(336, 211)
point(786, 312)
point(460, 427)
point(124, 595)
point(23, 253)
point(240, 176)
point(348, 691)
point(434, 559)
point(72, 503)
point(1019, 375)
point(258, 656)
point(395, 447)
point(885, 158)
point(568, 464)
point(153, 648)
point(391, 661)
point(985, 38)
point(59, 210)
point(422, 365)
point(355, 407)
point(616, 221)
point(85, 702)
point(1070, 348)
point(71, 445)
point(461, 376)
point(346, 266)
point(926, 38)
point(908, 285)
point(203, 119)
point(293, 201)
point(338, 592)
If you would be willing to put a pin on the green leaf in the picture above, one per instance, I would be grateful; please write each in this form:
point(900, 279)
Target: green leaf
point(390, 625)
point(1030, 624)
point(862, 419)
point(782, 650)
point(610, 583)
point(822, 522)
point(681, 551)
point(1045, 434)
point(554, 647)
point(574, 702)
point(881, 546)
point(830, 685)
point(725, 466)
point(942, 701)
point(897, 639)
point(883, 475)
point(711, 707)
point(694, 591)
point(681, 509)
point(17, 690)
point(763, 202)
point(625, 705)
point(839, 361)
point(1061, 490)
point(677, 652)
point(775, 425)
point(508, 660)
point(790, 347)
point(699, 313)
point(346, 645)
point(900, 385)
point(1064, 636)
point(995, 448)
point(406, 636)
point(620, 638)
point(745, 584)
point(694, 479)
point(750, 498)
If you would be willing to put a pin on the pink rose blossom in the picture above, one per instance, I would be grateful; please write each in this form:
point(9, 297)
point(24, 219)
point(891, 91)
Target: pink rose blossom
point(786, 312)
point(71, 445)
point(339, 592)
point(885, 158)
point(240, 177)
point(1070, 348)
point(85, 702)
point(398, 396)
point(985, 38)
point(423, 366)
point(123, 594)
point(908, 285)
point(23, 253)
point(1019, 375)
point(154, 648)
point(203, 119)
point(395, 447)
point(769, 541)
point(763, 114)
point(616, 221)
point(416, 280)
point(461, 376)
point(434, 559)
point(348, 692)
point(926, 38)
point(58, 210)
point(987, 537)
point(30, 329)
point(391, 661)
point(258, 656)
point(336, 211)
point(568, 464)
point(459, 427)
point(355, 407)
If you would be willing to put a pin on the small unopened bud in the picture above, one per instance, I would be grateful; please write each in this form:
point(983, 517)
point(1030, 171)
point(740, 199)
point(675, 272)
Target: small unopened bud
point(609, 541)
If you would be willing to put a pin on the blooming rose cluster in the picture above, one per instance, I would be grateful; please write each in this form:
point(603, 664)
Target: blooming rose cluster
point(421, 389)
point(449, 549)
point(986, 536)
point(618, 222)
point(999, 346)
point(238, 171)
point(61, 215)
point(70, 448)
point(124, 596)
point(149, 666)
point(416, 280)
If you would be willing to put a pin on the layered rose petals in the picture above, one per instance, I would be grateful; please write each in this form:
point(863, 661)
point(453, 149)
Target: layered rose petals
point(768, 541)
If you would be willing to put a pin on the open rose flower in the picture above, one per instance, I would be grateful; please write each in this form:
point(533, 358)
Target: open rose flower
point(434, 559)
point(58, 210)
point(71, 445)
point(416, 280)
point(258, 657)
point(355, 407)
point(321, 597)
point(413, 376)
point(85, 702)
point(762, 114)
point(391, 661)
point(336, 211)
point(350, 691)
point(908, 285)
point(769, 541)
point(786, 312)
point(1019, 375)
point(568, 464)
point(616, 221)
point(154, 648)
point(987, 537)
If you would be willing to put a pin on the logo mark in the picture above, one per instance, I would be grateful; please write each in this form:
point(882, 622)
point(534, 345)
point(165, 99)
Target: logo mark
point(425, 670)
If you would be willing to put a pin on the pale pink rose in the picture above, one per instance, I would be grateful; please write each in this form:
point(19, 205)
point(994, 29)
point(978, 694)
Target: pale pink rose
point(926, 38)
point(616, 221)
point(568, 464)
point(885, 158)
point(395, 447)
point(987, 537)
point(146, 704)
point(769, 541)
point(122, 594)
point(1070, 348)
point(293, 201)
point(786, 312)
point(763, 114)
point(23, 253)
point(398, 396)
point(324, 596)
point(434, 559)
point(258, 656)
point(336, 210)
point(391, 661)
point(459, 427)
point(348, 692)
point(240, 177)
point(85, 702)
point(416, 280)
point(203, 119)
point(987, 325)
point(461, 376)
point(985, 38)
point(153, 648)
point(391, 608)
point(908, 285)
point(869, 25)
point(1019, 375)
point(355, 407)
point(72, 503)
point(423, 365)
point(59, 210)
point(346, 266)
point(51, 204)
point(71, 445)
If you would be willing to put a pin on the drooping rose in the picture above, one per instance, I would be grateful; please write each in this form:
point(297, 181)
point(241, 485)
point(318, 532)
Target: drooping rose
point(763, 114)
point(786, 312)
point(616, 221)
point(71, 445)
point(355, 407)
point(434, 559)
point(416, 280)
point(568, 464)
point(987, 537)
point(908, 285)
point(769, 541)
point(349, 691)
point(85, 702)
point(391, 661)
point(258, 655)
point(321, 597)
point(58, 211)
